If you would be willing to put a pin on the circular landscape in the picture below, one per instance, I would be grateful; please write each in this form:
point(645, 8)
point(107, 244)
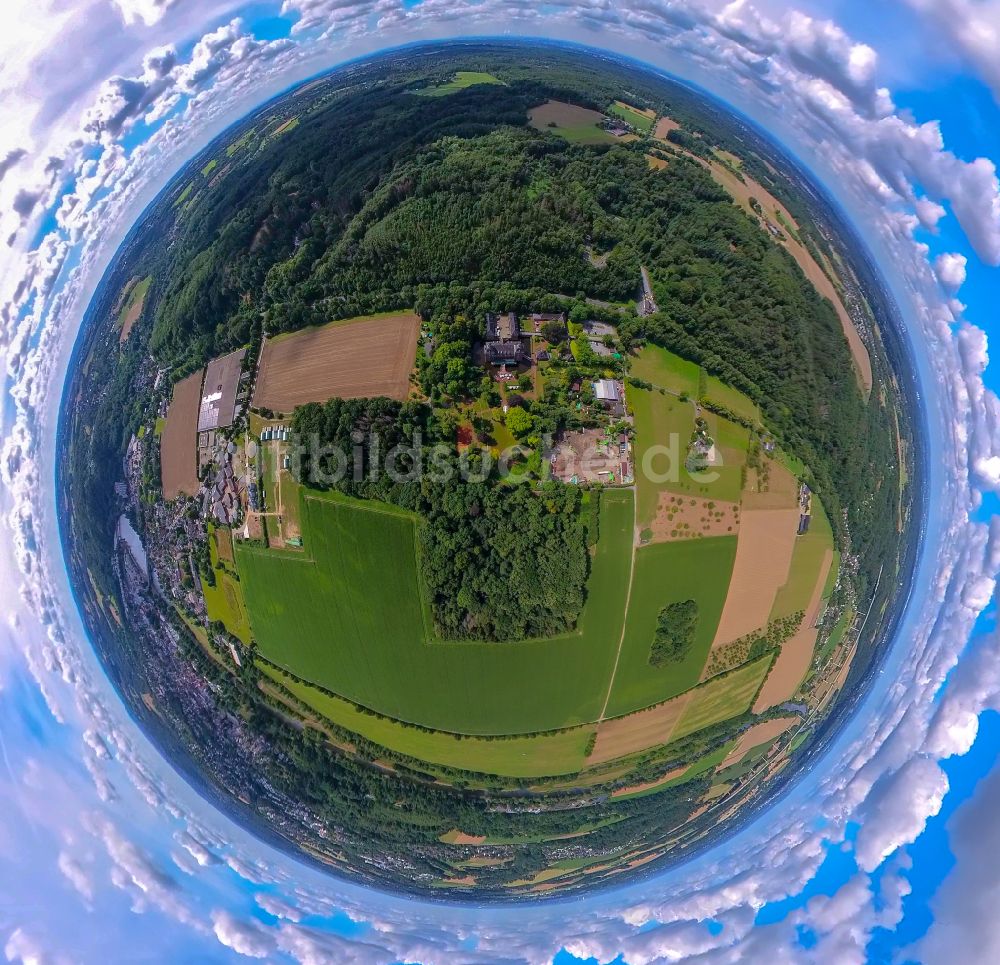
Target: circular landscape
point(508, 463)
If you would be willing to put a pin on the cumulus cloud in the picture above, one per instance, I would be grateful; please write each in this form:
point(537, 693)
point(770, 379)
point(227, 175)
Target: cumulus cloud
point(147, 12)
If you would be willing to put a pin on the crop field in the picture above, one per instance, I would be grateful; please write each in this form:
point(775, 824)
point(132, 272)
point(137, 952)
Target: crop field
point(543, 755)
point(665, 421)
point(579, 125)
point(621, 736)
point(722, 698)
point(462, 80)
point(796, 653)
point(668, 573)
point(664, 126)
point(639, 119)
point(763, 557)
point(370, 641)
point(356, 358)
point(807, 558)
point(178, 441)
point(665, 370)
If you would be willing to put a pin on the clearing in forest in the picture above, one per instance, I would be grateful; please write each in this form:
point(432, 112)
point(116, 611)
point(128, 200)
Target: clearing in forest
point(178, 441)
point(351, 359)
point(132, 308)
point(461, 81)
point(577, 124)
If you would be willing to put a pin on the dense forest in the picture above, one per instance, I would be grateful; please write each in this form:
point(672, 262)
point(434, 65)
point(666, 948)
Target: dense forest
point(499, 561)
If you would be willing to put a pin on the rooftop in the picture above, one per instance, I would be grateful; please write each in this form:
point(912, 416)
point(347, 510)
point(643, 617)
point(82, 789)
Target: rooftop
point(218, 398)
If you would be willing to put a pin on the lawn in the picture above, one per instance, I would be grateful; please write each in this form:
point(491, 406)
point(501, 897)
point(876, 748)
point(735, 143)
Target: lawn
point(807, 558)
point(640, 120)
point(544, 755)
point(670, 573)
point(665, 421)
point(462, 80)
point(369, 640)
point(722, 698)
point(665, 370)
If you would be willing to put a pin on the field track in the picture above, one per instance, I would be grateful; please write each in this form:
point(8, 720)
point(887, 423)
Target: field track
point(350, 360)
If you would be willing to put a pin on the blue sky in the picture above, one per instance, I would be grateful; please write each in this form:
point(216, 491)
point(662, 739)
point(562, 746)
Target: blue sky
point(106, 854)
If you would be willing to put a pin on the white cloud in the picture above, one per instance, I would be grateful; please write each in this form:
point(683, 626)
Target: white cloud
point(950, 270)
point(147, 12)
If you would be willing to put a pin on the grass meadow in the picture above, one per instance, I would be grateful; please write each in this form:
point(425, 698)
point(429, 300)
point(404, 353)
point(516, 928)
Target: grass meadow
point(348, 615)
point(667, 573)
point(543, 755)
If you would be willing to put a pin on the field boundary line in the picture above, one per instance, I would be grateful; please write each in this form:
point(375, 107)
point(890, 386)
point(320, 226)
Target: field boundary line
point(628, 602)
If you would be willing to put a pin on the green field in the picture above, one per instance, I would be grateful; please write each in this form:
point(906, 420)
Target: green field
point(224, 601)
point(670, 573)
point(639, 121)
point(724, 698)
point(209, 168)
point(736, 402)
point(665, 370)
point(544, 755)
point(183, 196)
point(462, 80)
point(807, 558)
point(369, 640)
point(699, 767)
point(663, 420)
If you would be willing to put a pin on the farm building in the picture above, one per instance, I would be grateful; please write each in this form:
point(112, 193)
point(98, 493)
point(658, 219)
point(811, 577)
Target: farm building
point(607, 390)
point(218, 400)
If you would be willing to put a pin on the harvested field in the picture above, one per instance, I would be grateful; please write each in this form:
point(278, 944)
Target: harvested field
point(458, 837)
point(178, 443)
point(664, 126)
point(224, 545)
point(577, 124)
point(763, 557)
point(656, 163)
point(796, 653)
point(687, 517)
point(760, 733)
point(622, 736)
point(352, 359)
point(770, 487)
